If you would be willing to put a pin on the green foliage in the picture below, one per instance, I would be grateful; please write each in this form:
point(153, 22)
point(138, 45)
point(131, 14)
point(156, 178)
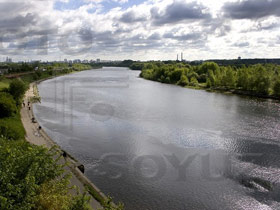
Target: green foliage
point(184, 81)
point(137, 66)
point(256, 79)
point(262, 81)
point(207, 66)
point(276, 88)
point(12, 128)
point(31, 178)
point(211, 80)
point(23, 169)
point(50, 72)
point(7, 105)
point(229, 78)
point(4, 83)
point(108, 205)
point(175, 75)
point(193, 81)
point(55, 195)
point(80, 67)
point(17, 89)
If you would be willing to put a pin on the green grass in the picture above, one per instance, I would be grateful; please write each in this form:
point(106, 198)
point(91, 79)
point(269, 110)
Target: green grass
point(4, 83)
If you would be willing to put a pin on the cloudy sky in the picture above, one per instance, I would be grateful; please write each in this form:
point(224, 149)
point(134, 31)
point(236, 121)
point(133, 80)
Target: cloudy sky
point(139, 29)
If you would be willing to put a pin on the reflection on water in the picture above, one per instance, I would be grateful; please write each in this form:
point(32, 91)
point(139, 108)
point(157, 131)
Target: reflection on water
point(158, 146)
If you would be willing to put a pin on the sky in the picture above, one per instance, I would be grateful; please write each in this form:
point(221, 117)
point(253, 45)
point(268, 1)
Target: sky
point(139, 29)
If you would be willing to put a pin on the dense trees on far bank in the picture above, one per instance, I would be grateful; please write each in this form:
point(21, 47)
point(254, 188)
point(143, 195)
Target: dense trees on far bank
point(263, 80)
point(57, 66)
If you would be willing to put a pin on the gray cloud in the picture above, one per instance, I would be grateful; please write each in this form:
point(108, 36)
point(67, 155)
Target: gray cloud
point(179, 11)
point(241, 44)
point(155, 36)
point(185, 37)
point(251, 9)
point(130, 17)
point(14, 23)
point(262, 27)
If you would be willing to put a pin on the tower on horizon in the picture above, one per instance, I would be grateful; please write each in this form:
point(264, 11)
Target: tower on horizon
point(182, 56)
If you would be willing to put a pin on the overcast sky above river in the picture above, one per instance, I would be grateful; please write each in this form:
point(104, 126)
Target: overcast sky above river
point(139, 29)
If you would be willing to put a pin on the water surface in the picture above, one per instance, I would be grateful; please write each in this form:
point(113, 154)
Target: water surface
point(159, 146)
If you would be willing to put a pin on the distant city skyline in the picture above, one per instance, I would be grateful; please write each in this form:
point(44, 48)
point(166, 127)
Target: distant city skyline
point(139, 30)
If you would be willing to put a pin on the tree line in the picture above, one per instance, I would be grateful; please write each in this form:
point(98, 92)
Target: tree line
point(260, 79)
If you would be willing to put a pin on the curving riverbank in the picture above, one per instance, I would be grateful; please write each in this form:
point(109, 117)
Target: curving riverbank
point(37, 136)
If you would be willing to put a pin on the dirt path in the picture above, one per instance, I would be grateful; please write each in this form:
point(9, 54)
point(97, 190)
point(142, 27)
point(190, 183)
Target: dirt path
point(39, 137)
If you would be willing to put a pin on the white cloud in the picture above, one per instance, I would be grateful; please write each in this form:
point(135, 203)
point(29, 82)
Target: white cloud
point(150, 30)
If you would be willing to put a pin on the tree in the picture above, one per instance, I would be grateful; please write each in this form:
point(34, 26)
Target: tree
point(32, 178)
point(194, 81)
point(211, 80)
point(276, 88)
point(262, 81)
point(17, 89)
point(229, 78)
point(243, 79)
point(184, 81)
point(175, 75)
point(7, 105)
point(207, 66)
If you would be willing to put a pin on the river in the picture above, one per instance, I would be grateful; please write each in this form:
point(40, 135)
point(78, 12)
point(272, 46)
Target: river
point(159, 146)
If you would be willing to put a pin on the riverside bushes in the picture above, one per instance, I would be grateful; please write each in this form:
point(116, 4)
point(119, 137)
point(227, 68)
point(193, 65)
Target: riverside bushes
point(7, 105)
point(255, 79)
point(12, 128)
point(30, 178)
point(17, 89)
point(10, 123)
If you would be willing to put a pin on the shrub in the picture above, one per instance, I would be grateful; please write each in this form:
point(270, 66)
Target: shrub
point(31, 178)
point(184, 81)
point(194, 81)
point(276, 88)
point(17, 89)
point(12, 128)
point(7, 105)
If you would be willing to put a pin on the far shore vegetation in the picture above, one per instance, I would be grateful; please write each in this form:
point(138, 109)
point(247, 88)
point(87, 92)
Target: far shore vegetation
point(30, 176)
point(261, 80)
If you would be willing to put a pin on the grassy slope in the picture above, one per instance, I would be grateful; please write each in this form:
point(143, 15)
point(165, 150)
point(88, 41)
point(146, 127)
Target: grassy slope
point(4, 83)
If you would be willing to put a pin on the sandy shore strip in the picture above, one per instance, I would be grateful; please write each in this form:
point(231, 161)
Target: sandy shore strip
point(39, 137)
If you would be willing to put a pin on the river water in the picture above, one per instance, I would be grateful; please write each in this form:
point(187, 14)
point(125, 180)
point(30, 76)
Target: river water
point(159, 146)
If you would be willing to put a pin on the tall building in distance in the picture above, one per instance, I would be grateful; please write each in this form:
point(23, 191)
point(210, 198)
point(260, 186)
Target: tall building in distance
point(182, 59)
point(9, 60)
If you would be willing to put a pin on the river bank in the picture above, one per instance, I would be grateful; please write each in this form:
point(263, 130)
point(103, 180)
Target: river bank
point(36, 135)
point(227, 91)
